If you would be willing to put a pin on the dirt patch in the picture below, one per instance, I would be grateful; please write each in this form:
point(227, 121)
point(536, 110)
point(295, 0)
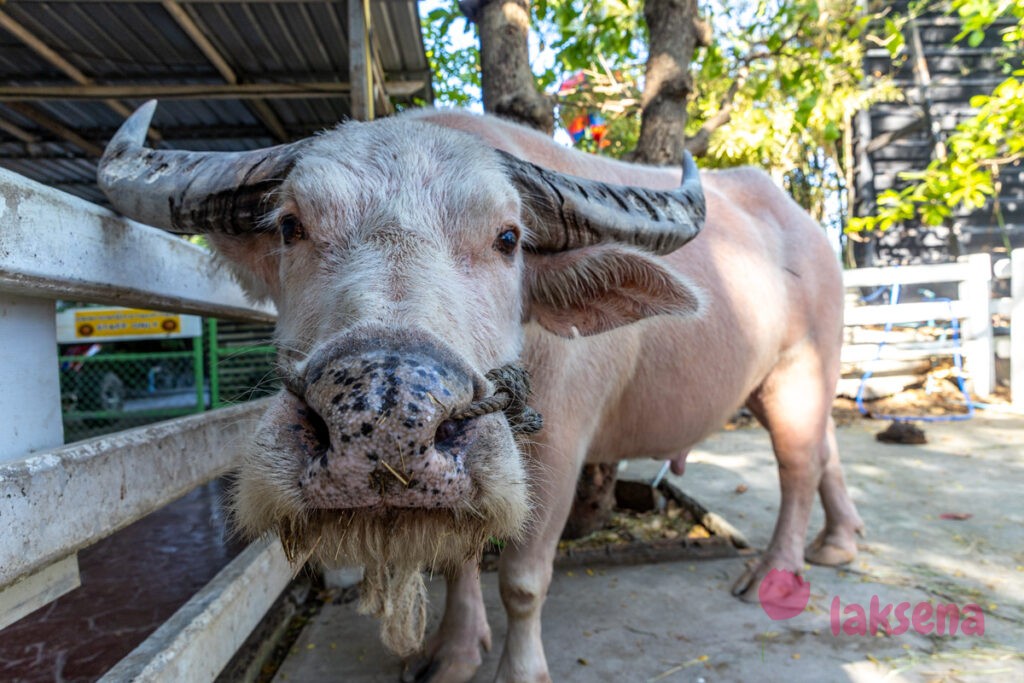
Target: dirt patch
point(629, 526)
point(934, 394)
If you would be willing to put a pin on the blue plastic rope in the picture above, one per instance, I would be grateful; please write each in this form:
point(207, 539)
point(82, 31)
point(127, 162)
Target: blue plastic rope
point(957, 363)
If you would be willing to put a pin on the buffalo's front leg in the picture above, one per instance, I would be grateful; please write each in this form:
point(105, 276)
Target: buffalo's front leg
point(525, 568)
point(452, 653)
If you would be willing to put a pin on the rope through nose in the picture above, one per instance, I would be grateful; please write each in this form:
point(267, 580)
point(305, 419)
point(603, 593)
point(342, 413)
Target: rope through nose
point(512, 389)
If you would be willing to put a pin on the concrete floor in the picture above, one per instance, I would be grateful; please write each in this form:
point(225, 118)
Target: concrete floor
point(677, 622)
point(132, 582)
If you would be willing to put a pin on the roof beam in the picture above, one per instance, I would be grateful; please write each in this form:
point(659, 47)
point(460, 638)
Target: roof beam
point(18, 132)
point(51, 124)
point(63, 65)
point(42, 49)
point(193, 91)
point(192, 29)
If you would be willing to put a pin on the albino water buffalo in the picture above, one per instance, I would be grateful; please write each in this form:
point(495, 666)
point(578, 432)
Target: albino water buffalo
point(416, 263)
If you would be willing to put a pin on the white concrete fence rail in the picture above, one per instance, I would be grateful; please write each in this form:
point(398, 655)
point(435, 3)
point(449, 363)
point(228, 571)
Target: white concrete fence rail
point(55, 499)
point(973, 307)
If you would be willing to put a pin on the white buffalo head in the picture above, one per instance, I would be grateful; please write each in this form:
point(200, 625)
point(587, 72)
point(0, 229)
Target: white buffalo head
point(404, 259)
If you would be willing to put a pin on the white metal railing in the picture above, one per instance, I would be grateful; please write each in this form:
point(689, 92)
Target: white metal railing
point(973, 308)
point(56, 499)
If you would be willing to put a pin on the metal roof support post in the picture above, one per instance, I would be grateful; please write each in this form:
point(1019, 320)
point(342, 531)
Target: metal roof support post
point(359, 62)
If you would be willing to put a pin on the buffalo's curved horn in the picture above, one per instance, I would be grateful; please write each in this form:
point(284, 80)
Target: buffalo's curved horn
point(190, 192)
point(566, 212)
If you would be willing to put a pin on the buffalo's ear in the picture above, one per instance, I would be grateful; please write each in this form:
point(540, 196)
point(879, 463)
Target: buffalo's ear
point(254, 262)
point(599, 288)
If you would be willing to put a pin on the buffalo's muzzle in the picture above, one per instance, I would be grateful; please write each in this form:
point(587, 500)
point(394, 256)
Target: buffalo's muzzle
point(373, 429)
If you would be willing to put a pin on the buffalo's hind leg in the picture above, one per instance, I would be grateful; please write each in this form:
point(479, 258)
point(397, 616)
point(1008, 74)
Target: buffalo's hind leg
point(836, 543)
point(452, 653)
point(794, 404)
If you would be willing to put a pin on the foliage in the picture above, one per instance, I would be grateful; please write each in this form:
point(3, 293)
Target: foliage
point(789, 76)
point(777, 88)
point(980, 146)
point(456, 67)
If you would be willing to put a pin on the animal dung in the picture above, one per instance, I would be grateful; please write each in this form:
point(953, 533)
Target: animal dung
point(902, 432)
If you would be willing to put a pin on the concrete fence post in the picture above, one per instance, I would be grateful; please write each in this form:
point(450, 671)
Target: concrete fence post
point(976, 328)
point(30, 421)
point(1017, 328)
point(30, 417)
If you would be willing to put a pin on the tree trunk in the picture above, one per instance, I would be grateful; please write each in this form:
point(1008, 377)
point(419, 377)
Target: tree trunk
point(675, 32)
point(510, 91)
point(509, 87)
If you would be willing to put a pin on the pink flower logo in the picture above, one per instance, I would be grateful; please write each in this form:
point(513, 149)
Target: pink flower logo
point(783, 594)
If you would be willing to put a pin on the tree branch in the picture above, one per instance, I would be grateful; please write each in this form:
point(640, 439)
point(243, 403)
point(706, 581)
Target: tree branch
point(698, 143)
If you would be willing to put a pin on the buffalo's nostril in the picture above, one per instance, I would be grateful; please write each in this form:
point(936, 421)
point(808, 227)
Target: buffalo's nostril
point(316, 437)
point(448, 433)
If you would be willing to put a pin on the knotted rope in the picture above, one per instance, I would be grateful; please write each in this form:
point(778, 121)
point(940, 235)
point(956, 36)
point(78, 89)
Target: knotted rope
point(511, 391)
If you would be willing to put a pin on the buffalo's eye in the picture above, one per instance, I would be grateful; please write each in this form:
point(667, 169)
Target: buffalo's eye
point(507, 240)
point(291, 229)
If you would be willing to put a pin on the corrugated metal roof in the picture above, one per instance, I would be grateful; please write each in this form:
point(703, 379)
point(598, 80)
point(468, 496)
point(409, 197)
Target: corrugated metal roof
point(145, 45)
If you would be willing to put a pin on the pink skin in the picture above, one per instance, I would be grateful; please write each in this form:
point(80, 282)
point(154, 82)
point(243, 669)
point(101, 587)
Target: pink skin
point(770, 337)
point(756, 304)
point(678, 464)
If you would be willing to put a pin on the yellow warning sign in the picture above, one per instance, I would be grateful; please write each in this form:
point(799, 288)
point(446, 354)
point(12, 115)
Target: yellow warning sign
point(94, 323)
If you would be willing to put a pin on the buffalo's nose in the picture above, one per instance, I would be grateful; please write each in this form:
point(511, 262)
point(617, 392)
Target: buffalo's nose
point(385, 433)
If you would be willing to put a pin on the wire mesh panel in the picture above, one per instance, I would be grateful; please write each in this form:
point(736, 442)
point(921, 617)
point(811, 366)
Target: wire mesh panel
point(118, 385)
point(111, 389)
point(241, 362)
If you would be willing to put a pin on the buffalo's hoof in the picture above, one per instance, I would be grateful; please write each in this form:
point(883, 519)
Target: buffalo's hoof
point(832, 549)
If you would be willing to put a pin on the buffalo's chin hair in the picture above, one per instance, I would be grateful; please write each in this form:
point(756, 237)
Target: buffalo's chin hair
point(394, 546)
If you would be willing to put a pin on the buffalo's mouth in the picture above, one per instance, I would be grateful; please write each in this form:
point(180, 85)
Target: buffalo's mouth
point(380, 426)
point(320, 486)
point(372, 464)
